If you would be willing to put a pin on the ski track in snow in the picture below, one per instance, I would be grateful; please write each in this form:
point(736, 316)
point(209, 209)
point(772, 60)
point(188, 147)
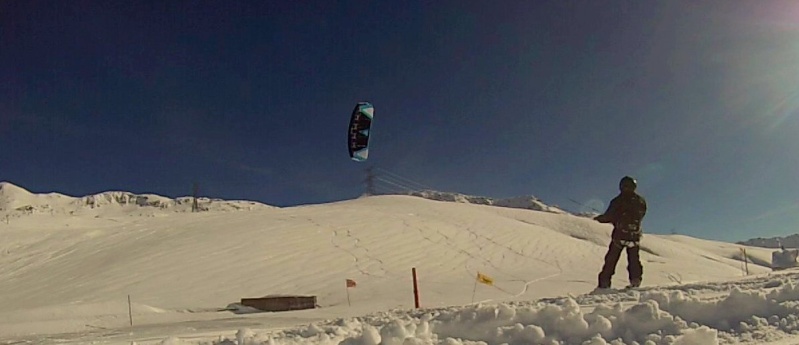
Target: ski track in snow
point(338, 240)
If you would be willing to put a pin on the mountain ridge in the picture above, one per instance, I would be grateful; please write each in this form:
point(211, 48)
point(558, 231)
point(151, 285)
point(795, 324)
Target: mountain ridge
point(18, 201)
point(790, 241)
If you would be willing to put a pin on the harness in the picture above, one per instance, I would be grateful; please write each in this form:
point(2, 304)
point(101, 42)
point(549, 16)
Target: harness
point(626, 243)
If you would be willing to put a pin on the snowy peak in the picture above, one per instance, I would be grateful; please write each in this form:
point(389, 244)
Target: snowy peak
point(9, 189)
point(10, 193)
point(15, 198)
point(17, 201)
point(523, 202)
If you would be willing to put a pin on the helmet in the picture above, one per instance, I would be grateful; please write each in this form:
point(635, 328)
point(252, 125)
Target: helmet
point(627, 183)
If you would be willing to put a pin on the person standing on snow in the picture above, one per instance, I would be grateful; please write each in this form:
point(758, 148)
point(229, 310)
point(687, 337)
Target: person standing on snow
point(625, 212)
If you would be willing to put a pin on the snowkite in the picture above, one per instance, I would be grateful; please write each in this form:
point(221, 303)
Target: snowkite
point(360, 124)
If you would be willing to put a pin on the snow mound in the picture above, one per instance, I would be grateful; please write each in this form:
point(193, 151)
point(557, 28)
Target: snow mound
point(523, 202)
point(677, 317)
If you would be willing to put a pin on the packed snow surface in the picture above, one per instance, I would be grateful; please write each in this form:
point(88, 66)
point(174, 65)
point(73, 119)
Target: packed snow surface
point(68, 267)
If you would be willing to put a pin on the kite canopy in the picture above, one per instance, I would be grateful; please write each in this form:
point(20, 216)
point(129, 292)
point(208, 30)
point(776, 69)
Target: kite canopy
point(360, 124)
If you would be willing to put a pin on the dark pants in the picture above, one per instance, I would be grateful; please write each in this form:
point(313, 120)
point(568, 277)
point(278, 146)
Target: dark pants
point(634, 268)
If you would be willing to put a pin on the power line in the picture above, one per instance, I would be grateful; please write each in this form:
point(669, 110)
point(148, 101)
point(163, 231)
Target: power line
point(402, 187)
point(584, 205)
point(406, 180)
point(396, 182)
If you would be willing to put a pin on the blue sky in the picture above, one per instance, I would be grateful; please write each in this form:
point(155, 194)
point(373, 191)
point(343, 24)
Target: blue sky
point(557, 99)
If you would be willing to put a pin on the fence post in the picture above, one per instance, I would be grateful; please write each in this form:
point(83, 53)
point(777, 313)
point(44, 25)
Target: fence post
point(746, 262)
point(130, 312)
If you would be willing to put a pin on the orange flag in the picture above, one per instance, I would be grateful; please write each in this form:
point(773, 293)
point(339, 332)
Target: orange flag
point(484, 279)
point(351, 283)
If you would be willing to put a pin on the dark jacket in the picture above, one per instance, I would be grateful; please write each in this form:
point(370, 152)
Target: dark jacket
point(625, 212)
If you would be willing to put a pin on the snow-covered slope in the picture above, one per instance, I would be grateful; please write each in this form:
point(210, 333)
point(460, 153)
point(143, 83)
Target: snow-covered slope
point(66, 278)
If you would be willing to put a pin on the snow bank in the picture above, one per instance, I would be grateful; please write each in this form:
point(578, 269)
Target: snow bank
point(750, 314)
point(566, 323)
point(659, 317)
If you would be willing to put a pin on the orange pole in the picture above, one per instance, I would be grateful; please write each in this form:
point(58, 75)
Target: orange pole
point(415, 288)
